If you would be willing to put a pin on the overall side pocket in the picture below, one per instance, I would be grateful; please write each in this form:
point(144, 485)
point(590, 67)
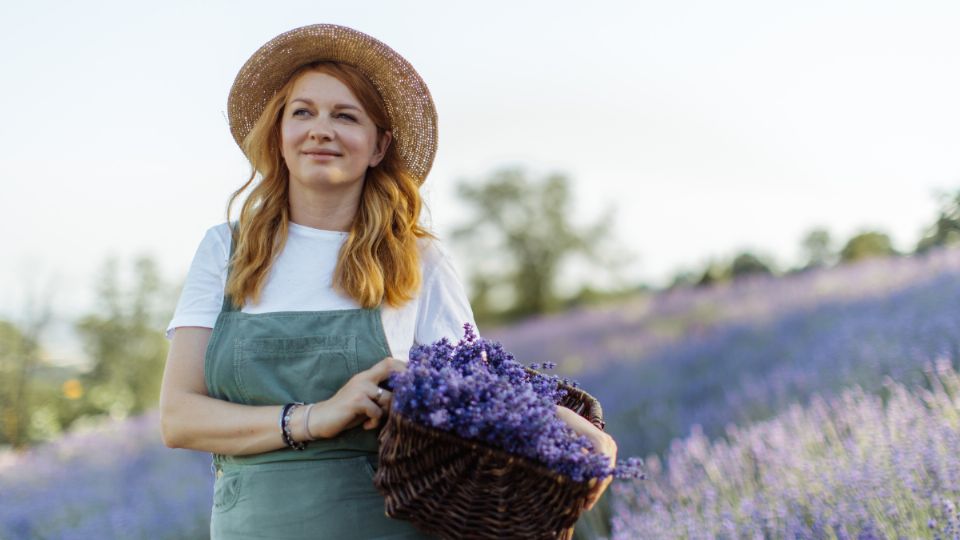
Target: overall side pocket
point(226, 490)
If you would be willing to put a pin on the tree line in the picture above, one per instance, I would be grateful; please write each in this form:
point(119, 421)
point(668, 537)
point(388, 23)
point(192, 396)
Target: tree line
point(819, 249)
point(518, 235)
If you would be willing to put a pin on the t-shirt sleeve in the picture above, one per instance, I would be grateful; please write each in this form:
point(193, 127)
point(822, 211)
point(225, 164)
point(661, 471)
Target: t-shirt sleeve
point(202, 295)
point(444, 306)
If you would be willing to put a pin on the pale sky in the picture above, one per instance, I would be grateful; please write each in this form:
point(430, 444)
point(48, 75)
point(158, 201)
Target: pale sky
point(711, 126)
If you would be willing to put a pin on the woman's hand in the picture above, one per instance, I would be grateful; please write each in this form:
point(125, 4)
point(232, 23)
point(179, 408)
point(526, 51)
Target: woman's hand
point(360, 401)
point(602, 442)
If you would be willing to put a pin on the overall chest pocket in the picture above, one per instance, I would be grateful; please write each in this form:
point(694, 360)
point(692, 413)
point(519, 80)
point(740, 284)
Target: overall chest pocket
point(271, 371)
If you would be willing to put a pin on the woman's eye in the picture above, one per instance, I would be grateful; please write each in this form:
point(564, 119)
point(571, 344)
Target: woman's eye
point(298, 111)
point(347, 116)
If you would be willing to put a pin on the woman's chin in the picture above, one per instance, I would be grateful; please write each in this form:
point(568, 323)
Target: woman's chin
point(328, 181)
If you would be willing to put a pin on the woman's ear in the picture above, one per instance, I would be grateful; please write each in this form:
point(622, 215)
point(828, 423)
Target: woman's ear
point(381, 149)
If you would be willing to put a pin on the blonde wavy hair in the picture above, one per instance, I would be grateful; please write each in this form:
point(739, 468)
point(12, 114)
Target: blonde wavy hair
point(380, 260)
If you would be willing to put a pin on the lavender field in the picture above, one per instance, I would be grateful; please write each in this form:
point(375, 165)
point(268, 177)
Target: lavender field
point(116, 480)
point(857, 466)
point(771, 407)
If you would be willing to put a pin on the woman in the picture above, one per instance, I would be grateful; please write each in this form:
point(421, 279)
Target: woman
point(291, 317)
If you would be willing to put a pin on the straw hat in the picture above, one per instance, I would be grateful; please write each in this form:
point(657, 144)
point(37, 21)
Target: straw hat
point(413, 117)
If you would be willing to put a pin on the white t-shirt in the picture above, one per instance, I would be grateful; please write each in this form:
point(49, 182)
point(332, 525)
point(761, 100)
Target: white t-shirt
point(301, 279)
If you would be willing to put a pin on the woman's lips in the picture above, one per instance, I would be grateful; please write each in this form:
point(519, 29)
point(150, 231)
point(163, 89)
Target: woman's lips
point(321, 157)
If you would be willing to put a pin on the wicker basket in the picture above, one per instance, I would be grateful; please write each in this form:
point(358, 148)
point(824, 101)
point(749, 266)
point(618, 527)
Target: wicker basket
point(456, 488)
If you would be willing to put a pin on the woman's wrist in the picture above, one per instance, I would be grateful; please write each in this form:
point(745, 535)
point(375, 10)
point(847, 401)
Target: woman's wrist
point(306, 423)
point(287, 415)
point(302, 429)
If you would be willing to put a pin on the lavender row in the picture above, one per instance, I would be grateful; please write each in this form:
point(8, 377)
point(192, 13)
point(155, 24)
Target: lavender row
point(593, 339)
point(847, 467)
point(116, 480)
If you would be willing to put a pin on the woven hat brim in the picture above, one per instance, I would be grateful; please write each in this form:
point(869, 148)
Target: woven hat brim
point(410, 107)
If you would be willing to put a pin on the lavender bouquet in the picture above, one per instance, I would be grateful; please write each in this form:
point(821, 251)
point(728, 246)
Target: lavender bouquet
point(478, 391)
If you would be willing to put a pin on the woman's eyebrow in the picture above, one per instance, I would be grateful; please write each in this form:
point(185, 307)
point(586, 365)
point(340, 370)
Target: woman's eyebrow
point(308, 101)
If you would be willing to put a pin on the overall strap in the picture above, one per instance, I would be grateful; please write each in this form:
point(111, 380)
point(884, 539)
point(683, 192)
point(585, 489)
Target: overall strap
point(227, 304)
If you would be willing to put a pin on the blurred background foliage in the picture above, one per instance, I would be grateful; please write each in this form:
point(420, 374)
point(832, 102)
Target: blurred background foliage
point(519, 238)
point(123, 340)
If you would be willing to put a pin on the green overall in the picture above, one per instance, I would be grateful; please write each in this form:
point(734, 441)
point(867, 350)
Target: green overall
point(327, 490)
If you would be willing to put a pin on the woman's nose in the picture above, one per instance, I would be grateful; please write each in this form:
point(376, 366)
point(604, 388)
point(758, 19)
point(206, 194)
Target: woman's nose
point(321, 129)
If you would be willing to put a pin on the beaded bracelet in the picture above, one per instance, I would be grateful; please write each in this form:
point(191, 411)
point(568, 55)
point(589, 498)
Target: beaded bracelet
point(285, 432)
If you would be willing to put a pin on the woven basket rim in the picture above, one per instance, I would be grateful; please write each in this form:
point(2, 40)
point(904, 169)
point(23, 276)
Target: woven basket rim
point(450, 437)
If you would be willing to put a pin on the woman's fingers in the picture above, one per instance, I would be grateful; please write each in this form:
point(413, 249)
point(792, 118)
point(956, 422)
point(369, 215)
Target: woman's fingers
point(373, 412)
point(386, 401)
point(374, 401)
point(382, 369)
point(607, 446)
point(361, 401)
point(600, 441)
point(599, 486)
point(576, 422)
point(383, 398)
point(371, 407)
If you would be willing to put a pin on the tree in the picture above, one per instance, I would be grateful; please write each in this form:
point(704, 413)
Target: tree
point(15, 363)
point(747, 263)
point(20, 359)
point(817, 248)
point(125, 342)
point(519, 236)
point(865, 245)
point(683, 278)
point(946, 229)
point(714, 272)
point(743, 264)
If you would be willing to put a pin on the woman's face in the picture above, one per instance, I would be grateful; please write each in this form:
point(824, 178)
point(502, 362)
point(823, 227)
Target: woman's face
point(327, 139)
